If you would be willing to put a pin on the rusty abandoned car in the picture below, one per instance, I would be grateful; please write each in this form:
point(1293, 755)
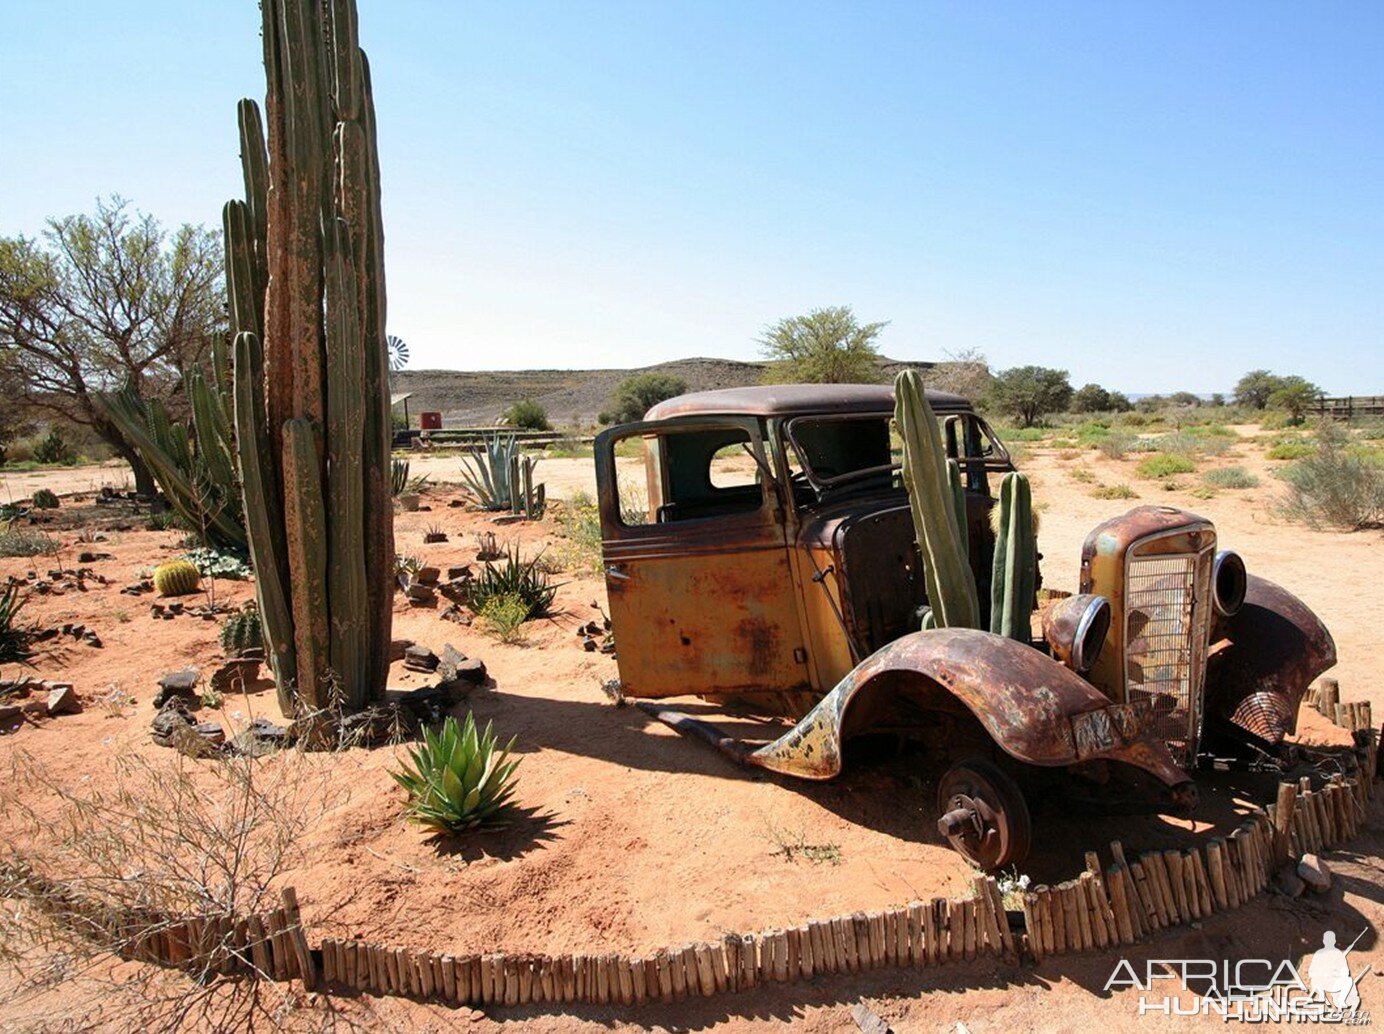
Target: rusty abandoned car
point(767, 560)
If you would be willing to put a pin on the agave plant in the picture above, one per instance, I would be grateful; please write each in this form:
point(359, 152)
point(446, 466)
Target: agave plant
point(14, 637)
point(459, 779)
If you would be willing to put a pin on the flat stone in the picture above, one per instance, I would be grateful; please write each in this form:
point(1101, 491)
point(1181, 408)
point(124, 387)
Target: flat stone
point(420, 658)
point(459, 573)
point(63, 700)
point(235, 675)
point(397, 647)
point(261, 737)
point(10, 714)
point(471, 670)
point(453, 612)
point(428, 575)
point(420, 594)
point(1314, 873)
point(178, 684)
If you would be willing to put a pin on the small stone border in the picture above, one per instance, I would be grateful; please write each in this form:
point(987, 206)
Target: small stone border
point(1118, 904)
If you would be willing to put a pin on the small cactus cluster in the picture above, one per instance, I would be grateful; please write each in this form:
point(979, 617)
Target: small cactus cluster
point(45, 499)
point(176, 578)
point(242, 632)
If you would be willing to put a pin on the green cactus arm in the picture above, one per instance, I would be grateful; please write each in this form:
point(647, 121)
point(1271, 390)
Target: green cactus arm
point(950, 583)
point(262, 503)
point(346, 581)
point(305, 521)
point(1014, 567)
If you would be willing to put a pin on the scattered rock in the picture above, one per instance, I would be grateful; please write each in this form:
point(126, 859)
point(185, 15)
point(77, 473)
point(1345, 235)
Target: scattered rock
point(429, 537)
point(11, 716)
point(91, 558)
point(171, 722)
point(428, 575)
point(1288, 883)
point(63, 700)
point(180, 684)
point(447, 663)
point(420, 658)
point(235, 675)
point(508, 518)
point(1314, 873)
point(420, 595)
point(37, 708)
point(459, 574)
point(472, 670)
point(453, 612)
point(397, 648)
point(261, 737)
point(201, 740)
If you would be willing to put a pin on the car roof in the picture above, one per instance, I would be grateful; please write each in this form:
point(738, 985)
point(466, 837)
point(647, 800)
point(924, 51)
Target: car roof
point(795, 399)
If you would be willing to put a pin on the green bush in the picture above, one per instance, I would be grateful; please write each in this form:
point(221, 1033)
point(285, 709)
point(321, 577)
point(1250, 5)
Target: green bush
point(638, 394)
point(54, 449)
point(1295, 450)
point(1120, 491)
point(1275, 420)
point(1164, 465)
point(1333, 487)
point(1230, 477)
point(514, 577)
point(527, 415)
point(459, 779)
point(504, 616)
point(45, 499)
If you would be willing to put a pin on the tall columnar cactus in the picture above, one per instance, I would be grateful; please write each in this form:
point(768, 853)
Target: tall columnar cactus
point(305, 272)
point(951, 587)
point(1015, 570)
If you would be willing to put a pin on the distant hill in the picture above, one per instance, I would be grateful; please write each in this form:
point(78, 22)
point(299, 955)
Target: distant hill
point(572, 398)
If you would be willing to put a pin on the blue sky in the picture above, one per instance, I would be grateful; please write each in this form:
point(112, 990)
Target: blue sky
point(1153, 196)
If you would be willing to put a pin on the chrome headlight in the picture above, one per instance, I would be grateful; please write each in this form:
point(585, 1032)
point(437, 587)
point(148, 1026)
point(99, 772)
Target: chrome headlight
point(1075, 629)
point(1228, 583)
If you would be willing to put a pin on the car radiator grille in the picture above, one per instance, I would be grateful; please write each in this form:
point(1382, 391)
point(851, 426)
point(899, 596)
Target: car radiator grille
point(1167, 610)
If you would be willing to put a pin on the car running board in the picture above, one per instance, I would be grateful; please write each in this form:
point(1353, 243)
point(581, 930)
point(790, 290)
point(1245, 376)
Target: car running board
point(737, 750)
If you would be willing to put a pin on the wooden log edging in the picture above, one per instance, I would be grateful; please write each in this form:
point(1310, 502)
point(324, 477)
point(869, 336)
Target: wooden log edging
point(1104, 908)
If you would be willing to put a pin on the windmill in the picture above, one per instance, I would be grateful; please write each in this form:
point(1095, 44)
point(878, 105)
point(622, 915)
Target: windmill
point(398, 352)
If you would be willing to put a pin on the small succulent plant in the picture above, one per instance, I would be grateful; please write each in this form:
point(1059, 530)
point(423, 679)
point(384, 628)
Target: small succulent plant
point(460, 778)
point(176, 578)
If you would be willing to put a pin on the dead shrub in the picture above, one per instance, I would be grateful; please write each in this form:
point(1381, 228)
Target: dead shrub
point(91, 873)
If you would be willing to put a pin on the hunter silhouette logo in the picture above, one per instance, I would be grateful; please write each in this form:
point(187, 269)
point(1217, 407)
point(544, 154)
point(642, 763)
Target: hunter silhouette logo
point(1330, 976)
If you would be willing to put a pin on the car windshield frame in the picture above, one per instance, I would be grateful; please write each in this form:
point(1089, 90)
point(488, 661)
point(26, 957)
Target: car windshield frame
point(996, 458)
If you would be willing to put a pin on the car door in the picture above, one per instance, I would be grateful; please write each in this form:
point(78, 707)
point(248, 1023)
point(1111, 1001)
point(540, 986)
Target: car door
point(696, 560)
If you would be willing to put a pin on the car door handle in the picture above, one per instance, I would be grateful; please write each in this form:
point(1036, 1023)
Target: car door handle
point(613, 571)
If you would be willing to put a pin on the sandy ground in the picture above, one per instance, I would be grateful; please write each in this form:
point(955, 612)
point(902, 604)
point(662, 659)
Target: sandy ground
point(632, 838)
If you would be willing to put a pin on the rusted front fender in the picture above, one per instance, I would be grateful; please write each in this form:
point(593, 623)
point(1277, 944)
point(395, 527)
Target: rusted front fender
point(1036, 710)
point(1263, 659)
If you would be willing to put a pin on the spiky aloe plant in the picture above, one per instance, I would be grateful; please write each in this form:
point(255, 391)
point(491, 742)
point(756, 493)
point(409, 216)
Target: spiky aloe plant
point(305, 279)
point(14, 637)
point(460, 778)
point(487, 474)
point(941, 532)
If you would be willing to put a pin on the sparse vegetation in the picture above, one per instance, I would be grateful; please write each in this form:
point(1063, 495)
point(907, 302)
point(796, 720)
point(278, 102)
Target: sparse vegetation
point(45, 499)
point(792, 846)
point(1164, 465)
point(1230, 477)
point(1081, 474)
point(514, 577)
point(1120, 491)
point(1030, 392)
point(24, 542)
point(827, 346)
point(1335, 486)
point(460, 778)
point(1291, 450)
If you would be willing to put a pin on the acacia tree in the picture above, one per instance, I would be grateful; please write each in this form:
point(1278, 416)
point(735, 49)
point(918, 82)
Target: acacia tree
point(1029, 392)
point(827, 346)
point(1295, 394)
point(105, 300)
point(1255, 387)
